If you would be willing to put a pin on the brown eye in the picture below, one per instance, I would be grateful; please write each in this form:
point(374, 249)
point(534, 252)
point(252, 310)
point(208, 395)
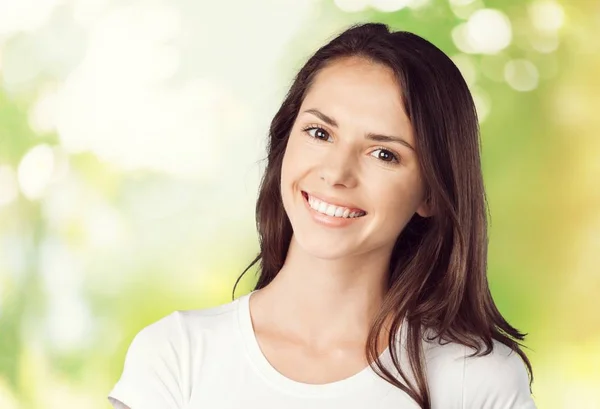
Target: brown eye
point(319, 134)
point(386, 155)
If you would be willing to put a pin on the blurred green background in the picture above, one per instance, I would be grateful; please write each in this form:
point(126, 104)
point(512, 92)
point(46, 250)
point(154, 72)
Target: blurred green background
point(131, 140)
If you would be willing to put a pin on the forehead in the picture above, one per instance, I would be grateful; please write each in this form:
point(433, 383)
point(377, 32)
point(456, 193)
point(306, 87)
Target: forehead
point(358, 92)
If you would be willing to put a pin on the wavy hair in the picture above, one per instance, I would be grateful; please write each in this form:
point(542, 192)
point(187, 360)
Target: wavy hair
point(437, 269)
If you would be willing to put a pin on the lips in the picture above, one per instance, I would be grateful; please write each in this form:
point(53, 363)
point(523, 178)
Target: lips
point(333, 202)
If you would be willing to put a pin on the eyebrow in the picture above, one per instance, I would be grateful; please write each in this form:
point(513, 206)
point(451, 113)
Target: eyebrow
point(372, 136)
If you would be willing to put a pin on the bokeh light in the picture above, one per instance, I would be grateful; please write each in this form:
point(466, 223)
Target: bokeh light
point(389, 6)
point(351, 6)
point(546, 15)
point(35, 171)
point(487, 31)
point(521, 75)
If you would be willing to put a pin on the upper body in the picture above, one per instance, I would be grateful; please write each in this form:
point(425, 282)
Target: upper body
point(372, 206)
point(210, 358)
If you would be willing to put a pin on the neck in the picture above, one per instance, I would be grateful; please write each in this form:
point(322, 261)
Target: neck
point(325, 302)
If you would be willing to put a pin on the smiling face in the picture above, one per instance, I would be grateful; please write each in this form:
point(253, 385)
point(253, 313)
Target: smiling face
point(352, 144)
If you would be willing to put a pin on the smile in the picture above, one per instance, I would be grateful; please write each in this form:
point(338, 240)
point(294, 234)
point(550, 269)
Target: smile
point(329, 214)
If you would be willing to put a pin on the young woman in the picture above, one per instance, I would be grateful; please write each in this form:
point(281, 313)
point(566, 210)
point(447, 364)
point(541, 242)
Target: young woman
point(372, 290)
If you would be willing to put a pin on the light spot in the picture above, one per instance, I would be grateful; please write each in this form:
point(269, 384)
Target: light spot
point(521, 75)
point(488, 31)
point(351, 6)
point(35, 171)
point(42, 115)
point(460, 38)
point(546, 15)
point(389, 6)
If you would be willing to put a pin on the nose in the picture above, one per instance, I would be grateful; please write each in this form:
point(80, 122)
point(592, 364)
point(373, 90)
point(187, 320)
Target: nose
point(339, 167)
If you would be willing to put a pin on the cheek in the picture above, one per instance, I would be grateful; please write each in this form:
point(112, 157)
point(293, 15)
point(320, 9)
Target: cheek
point(296, 160)
point(287, 169)
point(292, 169)
point(394, 213)
point(397, 202)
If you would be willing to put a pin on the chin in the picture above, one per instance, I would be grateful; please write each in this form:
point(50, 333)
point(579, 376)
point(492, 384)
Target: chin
point(323, 247)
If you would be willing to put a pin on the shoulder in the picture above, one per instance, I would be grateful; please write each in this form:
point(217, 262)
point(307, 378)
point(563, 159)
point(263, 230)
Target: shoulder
point(179, 326)
point(501, 360)
point(161, 357)
point(498, 380)
point(207, 318)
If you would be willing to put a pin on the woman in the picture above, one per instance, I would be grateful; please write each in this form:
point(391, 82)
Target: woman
point(372, 221)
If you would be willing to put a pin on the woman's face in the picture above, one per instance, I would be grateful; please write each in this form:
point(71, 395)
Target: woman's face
point(332, 154)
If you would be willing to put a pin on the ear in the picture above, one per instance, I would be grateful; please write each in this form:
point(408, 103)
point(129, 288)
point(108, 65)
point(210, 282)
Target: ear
point(425, 208)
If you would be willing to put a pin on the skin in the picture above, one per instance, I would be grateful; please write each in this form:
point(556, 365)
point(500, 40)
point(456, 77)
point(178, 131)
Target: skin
point(332, 282)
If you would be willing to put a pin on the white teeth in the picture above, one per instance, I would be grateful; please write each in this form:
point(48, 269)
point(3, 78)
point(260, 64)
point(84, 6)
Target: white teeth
point(331, 210)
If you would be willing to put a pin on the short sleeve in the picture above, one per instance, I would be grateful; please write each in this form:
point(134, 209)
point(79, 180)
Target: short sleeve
point(151, 376)
point(497, 381)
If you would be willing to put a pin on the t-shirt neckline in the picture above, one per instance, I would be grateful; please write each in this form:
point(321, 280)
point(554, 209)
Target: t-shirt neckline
point(344, 386)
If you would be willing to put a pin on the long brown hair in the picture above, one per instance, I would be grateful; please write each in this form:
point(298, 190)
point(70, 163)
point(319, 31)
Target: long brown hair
point(437, 269)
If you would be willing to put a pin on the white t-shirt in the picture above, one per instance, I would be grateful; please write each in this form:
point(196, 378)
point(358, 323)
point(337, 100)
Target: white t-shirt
point(210, 359)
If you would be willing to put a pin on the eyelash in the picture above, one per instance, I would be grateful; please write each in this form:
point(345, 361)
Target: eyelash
point(396, 158)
